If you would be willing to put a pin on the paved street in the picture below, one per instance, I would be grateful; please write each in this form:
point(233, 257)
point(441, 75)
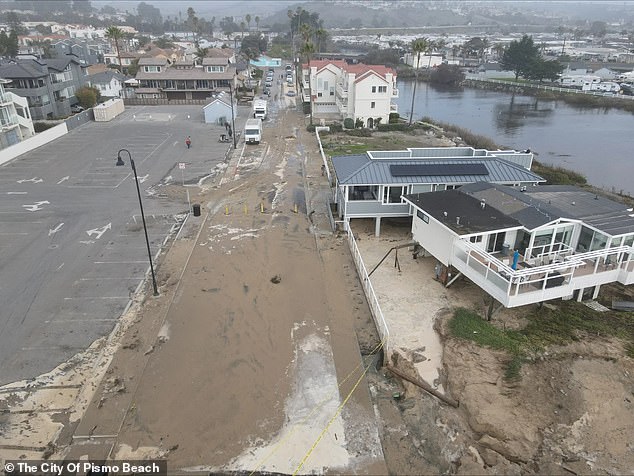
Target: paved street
point(72, 250)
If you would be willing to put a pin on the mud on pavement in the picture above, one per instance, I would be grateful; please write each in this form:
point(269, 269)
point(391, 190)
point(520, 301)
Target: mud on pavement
point(249, 358)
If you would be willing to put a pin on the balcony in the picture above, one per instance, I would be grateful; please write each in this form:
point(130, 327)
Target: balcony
point(393, 108)
point(551, 276)
point(394, 92)
point(341, 92)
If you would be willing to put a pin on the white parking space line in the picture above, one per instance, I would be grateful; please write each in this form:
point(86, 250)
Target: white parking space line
point(12, 233)
point(114, 279)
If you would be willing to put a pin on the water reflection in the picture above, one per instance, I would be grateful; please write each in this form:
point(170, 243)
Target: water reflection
point(593, 141)
point(519, 112)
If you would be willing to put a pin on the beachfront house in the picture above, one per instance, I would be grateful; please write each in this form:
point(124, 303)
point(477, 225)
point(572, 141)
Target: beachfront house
point(371, 185)
point(527, 245)
point(361, 92)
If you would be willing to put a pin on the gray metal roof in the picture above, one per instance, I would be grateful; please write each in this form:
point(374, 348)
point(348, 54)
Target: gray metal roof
point(361, 170)
point(539, 205)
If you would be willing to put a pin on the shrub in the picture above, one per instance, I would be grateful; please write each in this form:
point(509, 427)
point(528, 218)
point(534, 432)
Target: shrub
point(310, 127)
point(358, 124)
point(42, 126)
point(392, 127)
point(348, 123)
point(87, 96)
point(394, 117)
point(335, 127)
point(359, 133)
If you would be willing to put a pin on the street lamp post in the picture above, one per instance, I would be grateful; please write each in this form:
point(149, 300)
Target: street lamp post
point(138, 191)
point(233, 117)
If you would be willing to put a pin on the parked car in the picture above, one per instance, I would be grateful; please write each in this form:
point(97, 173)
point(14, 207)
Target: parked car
point(290, 93)
point(75, 108)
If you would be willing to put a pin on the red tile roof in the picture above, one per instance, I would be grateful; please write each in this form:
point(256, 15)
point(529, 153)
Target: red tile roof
point(359, 69)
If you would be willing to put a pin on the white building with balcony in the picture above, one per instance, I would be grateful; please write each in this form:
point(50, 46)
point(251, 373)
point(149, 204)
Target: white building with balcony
point(15, 119)
point(356, 91)
point(527, 245)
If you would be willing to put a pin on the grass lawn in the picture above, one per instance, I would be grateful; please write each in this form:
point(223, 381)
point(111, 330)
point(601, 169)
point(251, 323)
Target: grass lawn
point(569, 322)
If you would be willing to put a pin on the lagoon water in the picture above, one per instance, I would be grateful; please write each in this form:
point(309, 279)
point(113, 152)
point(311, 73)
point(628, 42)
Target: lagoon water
point(597, 142)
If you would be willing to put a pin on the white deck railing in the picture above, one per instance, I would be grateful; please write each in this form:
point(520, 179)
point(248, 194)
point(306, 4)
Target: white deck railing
point(561, 274)
point(373, 302)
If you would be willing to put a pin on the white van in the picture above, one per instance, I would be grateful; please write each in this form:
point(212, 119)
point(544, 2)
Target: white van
point(259, 109)
point(253, 131)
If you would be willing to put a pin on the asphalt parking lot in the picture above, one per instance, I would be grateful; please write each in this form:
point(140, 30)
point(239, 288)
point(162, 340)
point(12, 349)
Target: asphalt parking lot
point(72, 249)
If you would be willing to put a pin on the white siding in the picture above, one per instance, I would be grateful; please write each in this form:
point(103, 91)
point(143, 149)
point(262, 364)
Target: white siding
point(364, 98)
point(434, 237)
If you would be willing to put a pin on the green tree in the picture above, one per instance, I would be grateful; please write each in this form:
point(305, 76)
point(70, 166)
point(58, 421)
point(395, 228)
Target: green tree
point(242, 27)
point(520, 56)
point(257, 23)
point(541, 69)
point(12, 44)
point(447, 75)
point(87, 96)
point(115, 34)
point(164, 43)
point(307, 50)
point(247, 18)
point(419, 46)
point(200, 54)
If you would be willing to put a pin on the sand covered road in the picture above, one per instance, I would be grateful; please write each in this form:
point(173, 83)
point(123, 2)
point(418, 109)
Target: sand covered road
point(255, 365)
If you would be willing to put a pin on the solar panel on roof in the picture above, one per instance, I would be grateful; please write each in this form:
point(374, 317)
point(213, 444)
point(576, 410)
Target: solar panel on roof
point(438, 169)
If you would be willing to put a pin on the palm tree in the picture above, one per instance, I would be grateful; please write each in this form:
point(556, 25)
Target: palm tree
point(248, 20)
point(115, 33)
point(242, 25)
point(419, 45)
point(257, 23)
point(307, 50)
point(321, 35)
point(200, 54)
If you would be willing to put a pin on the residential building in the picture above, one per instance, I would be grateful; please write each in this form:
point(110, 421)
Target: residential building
point(127, 58)
point(372, 185)
point(219, 110)
point(184, 80)
point(425, 61)
point(109, 83)
point(15, 118)
point(48, 85)
point(359, 91)
point(88, 52)
point(494, 70)
point(527, 245)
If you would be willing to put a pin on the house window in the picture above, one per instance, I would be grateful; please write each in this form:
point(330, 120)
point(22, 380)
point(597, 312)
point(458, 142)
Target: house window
point(452, 187)
point(373, 89)
point(422, 216)
point(372, 104)
point(476, 239)
point(332, 91)
point(382, 89)
point(363, 192)
point(215, 69)
point(319, 95)
point(152, 69)
point(393, 194)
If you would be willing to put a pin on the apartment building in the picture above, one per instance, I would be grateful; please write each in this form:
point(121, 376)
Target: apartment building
point(48, 85)
point(356, 91)
point(158, 78)
point(15, 118)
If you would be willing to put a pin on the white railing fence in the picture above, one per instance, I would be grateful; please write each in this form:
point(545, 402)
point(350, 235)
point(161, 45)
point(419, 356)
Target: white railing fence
point(373, 302)
point(548, 88)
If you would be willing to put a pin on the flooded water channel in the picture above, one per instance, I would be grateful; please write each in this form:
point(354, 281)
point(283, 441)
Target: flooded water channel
point(596, 142)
